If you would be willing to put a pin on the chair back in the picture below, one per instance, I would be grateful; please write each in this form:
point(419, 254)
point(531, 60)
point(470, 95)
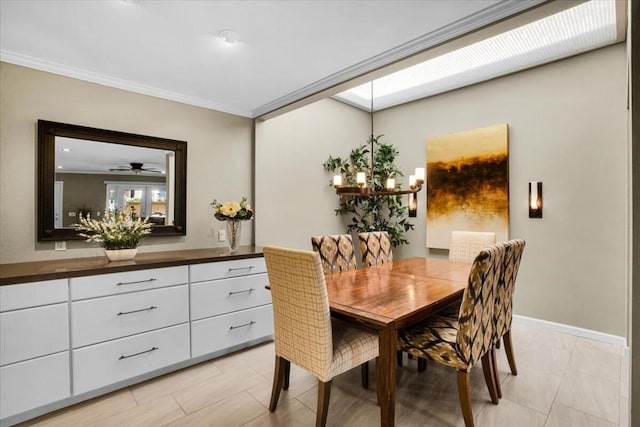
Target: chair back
point(475, 320)
point(465, 245)
point(375, 247)
point(336, 252)
point(503, 311)
point(302, 324)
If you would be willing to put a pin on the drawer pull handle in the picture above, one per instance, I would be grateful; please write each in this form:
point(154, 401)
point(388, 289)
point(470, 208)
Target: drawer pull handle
point(242, 292)
point(241, 326)
point(154, 348)
point(153, 307)
point(137, 281)
point(241, 268)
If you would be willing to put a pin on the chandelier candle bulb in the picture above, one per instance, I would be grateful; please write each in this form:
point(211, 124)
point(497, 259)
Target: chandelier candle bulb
point(361, 179)
point(337, 180)
point(412, 180)
point(420, 175)
point(391, 183)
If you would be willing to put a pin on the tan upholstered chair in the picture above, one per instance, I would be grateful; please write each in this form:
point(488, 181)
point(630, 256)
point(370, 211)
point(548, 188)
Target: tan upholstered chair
point(375, 247)
point(336, 252)
point(459, 341)
point(503, 310)
point(465, 245)
point(304, 332)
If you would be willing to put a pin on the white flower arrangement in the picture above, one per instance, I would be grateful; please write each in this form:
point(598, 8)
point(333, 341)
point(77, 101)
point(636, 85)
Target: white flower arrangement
point(232, 210)
point(117, 230)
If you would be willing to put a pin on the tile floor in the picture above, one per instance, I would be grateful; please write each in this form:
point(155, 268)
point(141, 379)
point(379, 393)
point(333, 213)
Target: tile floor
point(563, 381)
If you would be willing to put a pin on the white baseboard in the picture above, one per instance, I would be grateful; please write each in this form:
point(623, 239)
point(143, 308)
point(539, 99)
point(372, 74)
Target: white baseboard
point(573, 330)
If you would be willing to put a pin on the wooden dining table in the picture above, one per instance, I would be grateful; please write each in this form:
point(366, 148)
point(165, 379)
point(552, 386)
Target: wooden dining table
point(392, 296)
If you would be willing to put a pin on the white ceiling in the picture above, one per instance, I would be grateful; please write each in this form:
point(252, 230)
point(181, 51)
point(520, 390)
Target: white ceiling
point(287, 50)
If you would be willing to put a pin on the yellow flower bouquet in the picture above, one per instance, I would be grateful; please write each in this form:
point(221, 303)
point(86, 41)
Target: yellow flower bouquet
point(232, 210)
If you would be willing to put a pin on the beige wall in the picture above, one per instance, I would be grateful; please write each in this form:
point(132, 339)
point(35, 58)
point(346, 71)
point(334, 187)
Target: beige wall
point(219, 155)
point(293, 196)
point(567, 128)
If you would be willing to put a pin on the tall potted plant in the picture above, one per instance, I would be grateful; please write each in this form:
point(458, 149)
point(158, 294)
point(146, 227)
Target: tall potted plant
point(372, 213)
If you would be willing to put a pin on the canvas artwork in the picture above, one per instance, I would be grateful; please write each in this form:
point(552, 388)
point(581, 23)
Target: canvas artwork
point(468, 184)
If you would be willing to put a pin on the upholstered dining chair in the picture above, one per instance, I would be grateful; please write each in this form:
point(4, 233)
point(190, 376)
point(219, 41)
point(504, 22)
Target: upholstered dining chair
point(459, 341)
point(375, 247)
point(465, 245)
point(304, 332)
point(503, 310)
point(336, 252)
point(337, 255)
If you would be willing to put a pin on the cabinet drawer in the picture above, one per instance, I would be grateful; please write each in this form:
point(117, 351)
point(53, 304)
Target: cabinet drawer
point(13, 297)
point(34, 383)
point(224, 296)
point(103, 364)
point(107, 318)
point(217, 333)
point(226, 269)
point(118, 283)
point(33, 332)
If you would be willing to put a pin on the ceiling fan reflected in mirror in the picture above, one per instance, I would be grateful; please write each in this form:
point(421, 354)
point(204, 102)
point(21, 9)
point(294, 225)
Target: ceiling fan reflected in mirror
point(135, 168)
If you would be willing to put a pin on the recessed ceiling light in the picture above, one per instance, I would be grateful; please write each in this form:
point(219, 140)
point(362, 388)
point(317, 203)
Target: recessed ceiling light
point(228, 36)
point(584, 27)
point(66, 150)
point(59, 167)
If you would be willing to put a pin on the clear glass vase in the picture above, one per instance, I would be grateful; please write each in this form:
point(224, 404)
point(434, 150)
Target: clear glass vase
point(234, 230)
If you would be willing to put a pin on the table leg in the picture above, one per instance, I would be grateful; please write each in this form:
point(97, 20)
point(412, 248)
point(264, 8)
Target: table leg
point(386, 374)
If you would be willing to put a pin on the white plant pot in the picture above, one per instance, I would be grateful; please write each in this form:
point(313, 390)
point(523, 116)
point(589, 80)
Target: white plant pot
point(121, 254)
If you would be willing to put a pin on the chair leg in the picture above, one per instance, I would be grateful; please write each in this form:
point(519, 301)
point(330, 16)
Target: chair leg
point(489, 376)
point(399, 357)
point(508, 348)
point(364, 370)
point(324, 393)
point(422, 364)
point(287, 372)
point(278, 379)
point(496, 374)
point(464, 393)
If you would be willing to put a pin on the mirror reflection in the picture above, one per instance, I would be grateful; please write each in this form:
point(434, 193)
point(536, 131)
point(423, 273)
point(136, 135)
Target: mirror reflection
point(83, 170)
point(94, 177)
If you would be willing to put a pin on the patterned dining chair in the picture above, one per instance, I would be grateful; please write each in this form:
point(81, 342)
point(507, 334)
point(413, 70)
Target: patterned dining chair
point(337, 255)
point(304, 332)
point(465, 245)
point(459, 341)
point(375, 247)
point(336, 252)
point(503, 310)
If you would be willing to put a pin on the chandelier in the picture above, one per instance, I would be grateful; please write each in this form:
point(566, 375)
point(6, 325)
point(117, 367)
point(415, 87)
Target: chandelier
point(365, 186)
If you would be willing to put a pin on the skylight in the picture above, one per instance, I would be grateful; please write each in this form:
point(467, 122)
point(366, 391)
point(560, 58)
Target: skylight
point(588, 26)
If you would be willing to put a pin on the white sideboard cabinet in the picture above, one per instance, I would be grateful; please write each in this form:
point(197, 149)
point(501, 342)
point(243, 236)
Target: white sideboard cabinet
point(34, 345)
point(66, 340)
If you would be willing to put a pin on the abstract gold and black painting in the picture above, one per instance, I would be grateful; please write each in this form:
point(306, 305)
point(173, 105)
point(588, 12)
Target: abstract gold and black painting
point(468, 184)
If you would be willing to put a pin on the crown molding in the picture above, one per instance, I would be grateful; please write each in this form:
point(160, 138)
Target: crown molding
point(101, 79)
point(484, 17)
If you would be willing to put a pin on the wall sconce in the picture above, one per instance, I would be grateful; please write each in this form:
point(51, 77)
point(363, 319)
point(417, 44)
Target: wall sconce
point(535, 199)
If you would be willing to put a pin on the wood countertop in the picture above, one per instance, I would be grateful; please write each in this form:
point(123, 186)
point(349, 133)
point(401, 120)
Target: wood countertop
point(25, 272)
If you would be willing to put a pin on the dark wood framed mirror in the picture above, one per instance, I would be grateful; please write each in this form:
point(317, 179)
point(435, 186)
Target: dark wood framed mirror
point(86, 170)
